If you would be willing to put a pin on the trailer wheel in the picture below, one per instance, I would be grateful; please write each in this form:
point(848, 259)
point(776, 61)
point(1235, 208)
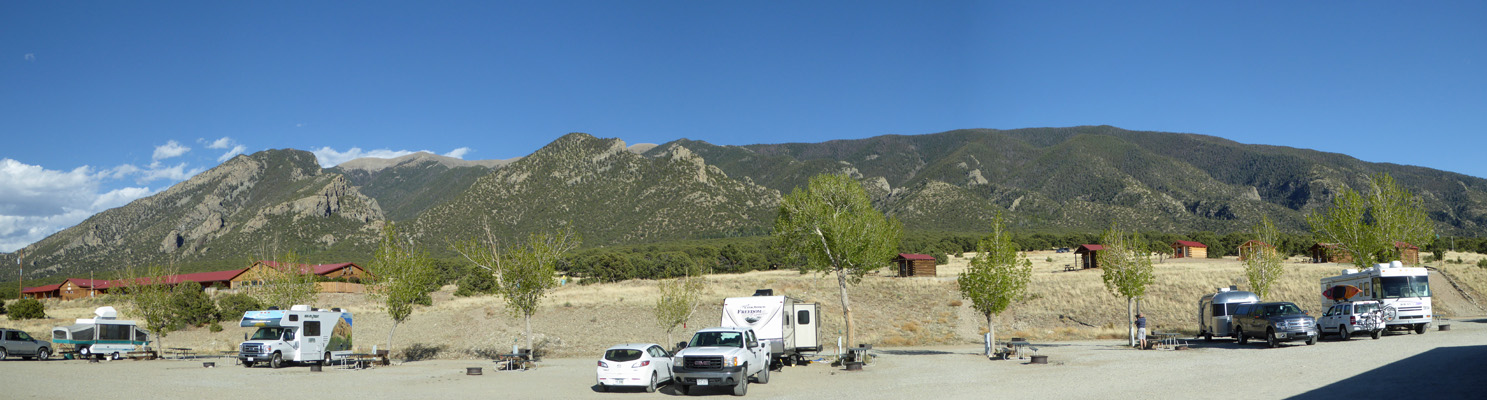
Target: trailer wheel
point(276, 362)
point(1208, 336)
point(114, 356)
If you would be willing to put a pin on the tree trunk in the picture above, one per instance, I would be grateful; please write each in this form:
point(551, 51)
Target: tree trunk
point(532, 352)
point(389, 336)
point(841, 282)
point(1131, 320)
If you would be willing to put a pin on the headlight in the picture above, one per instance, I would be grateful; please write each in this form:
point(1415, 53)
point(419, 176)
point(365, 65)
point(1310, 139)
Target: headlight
point(730, 362)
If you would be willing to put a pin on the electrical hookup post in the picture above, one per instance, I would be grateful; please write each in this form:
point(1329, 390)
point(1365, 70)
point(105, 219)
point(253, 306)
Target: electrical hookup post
point(987, 338)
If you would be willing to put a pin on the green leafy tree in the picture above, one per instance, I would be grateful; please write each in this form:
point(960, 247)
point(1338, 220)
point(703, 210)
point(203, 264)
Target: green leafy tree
point(233, 306)
point(1368, 225)
point(150, 299)
point(476, 283)
point(833, 225)
point(1264, 266)
point(26, 309)
point(679, 300)
point(524, 273)
point(404, 277)
point(289, 282)
point(1126, 269)
point(996, 277)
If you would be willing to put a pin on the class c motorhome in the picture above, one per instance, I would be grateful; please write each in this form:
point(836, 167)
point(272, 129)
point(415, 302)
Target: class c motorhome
point(1404, 293)
point(103, 335)
point(301, 334)
point(787, 325)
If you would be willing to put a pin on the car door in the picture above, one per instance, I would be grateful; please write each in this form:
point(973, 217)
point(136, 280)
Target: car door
point(662, 362)
point(1328, 320)
point(19, 343)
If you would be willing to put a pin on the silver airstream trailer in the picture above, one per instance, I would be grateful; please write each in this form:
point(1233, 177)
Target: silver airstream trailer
point(1214, 311)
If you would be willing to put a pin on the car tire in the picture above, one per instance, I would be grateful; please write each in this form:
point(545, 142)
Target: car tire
point(742, 387)
point(763, 376)
point(43, 354)
point(3, 353)
point(1376, 333)
point(1270, 339)
point(651, 388)
point(1239, 334)
point(1343, 334)
point(276, 362)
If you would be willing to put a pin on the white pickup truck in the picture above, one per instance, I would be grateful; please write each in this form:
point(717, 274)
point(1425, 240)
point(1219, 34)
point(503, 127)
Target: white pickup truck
point(721, 357)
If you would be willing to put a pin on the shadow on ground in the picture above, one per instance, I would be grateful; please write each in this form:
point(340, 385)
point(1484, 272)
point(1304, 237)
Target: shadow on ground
point(1442, 373)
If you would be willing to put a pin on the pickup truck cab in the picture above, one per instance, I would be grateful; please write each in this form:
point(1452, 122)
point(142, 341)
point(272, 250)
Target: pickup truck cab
point(724, 357)
point(1276, 322)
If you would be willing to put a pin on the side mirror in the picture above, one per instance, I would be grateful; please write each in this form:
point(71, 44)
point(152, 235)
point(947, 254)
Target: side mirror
point(681, 345)
point(245, 336)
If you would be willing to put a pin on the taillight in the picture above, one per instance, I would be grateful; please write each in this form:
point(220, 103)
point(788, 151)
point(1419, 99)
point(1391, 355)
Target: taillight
point(602, 364)
point(641, 364)
point(1352, 319)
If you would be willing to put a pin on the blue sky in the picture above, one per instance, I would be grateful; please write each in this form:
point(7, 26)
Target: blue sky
point(105, 102)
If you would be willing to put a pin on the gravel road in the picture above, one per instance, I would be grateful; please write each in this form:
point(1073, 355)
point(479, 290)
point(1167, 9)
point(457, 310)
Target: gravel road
point(1434, 365)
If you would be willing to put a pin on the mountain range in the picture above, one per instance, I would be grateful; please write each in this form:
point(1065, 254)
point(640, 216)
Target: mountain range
point(610, 193)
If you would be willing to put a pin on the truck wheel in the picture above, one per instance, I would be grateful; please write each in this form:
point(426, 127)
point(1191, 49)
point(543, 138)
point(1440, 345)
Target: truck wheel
point(1419, 329)
point(742, 387)
point(1376, 333)
point(1342, 333)
point(1242, 339)
point(651, 388)
point(1312, 340)
point(325, 362)
point(247, 364)
point(1270, 339)
point(763, 376)
point(276, 362)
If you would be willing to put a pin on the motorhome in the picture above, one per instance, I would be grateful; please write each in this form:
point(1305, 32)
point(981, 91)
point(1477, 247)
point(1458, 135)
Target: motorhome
point(301, 334)
point(103, 335)
point(1404, 293)
point(787, 325)
point(1216, 311)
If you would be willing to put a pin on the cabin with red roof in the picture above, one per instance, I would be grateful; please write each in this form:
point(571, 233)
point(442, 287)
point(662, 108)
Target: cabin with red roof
point(42, 292)
point(1408, 253)
point(1189, 249)
point(915, 264)
point(1089, 255)
point(263, 271)
point(1254, 248)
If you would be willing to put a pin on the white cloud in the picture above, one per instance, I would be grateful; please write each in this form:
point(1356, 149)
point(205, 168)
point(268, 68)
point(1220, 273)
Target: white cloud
point(36, 202)
point(222, 143)
point(329, 157)
point(175, 173)
point(31, 57)
point(168, 150)
point(228, 155)
point(458, 153)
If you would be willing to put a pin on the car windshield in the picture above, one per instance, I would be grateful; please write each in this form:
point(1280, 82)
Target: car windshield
point(1394, 287)
point(725, 339)
point(622, 354)
point(268, 334)
point(1282, 309)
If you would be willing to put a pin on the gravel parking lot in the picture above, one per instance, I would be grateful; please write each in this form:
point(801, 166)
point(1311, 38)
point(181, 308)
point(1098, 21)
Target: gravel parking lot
point(1435, 365)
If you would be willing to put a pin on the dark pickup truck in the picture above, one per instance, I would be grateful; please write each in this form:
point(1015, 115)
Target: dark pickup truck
point(1276, 322)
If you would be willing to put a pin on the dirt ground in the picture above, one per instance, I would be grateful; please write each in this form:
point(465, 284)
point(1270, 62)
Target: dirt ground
point(1438, 364)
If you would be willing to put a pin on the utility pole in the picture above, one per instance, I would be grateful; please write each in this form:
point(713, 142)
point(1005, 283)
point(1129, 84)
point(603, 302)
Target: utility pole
point(20, 262)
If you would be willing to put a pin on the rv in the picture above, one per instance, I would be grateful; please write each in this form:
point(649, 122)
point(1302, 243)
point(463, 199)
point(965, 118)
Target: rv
point(1216, 310)
point(787, 325)
point(302, 334)
point(1404, 293)
point(103, 335)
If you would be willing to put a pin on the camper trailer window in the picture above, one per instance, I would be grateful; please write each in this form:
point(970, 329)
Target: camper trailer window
point(803, 317)
point(1393, 287)
point(312, 328)
point(1218, 310)
point(114, 332)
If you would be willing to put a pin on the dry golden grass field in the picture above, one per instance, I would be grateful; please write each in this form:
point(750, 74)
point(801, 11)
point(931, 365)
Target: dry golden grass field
point(581, 320)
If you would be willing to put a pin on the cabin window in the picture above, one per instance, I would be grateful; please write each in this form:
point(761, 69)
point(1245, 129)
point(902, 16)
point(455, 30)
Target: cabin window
point(312, 328)
point(293, 317)
point(803, 317)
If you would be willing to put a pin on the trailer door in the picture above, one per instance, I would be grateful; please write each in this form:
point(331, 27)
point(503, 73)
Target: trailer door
point(806, 325)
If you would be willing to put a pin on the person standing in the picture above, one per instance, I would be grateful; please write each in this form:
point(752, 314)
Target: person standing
point(1141, 330)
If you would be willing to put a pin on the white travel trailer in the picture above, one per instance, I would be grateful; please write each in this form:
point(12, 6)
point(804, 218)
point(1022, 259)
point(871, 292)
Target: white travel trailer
point(1404, 293)
point(788, 325)
point(1216, 310)
point(103, 335)
point(301, 334)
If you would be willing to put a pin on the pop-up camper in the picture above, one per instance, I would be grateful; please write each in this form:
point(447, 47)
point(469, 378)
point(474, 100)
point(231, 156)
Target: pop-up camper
point(104, 334)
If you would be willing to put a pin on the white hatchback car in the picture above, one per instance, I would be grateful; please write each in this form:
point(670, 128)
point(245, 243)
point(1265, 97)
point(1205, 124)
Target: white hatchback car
point(637, 364)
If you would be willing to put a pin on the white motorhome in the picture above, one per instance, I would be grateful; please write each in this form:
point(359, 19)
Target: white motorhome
point(301, 334)
point(787, 325)
point(103, 335)
point(1404, 292)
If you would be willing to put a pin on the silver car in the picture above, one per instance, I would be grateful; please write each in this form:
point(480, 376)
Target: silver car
point(18, 343)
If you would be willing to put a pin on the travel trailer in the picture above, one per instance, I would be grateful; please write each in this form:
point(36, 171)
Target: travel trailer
point(787, 325)
point(103, 335)
point(1216, 311)
point(1404, 292)
point(301, 334)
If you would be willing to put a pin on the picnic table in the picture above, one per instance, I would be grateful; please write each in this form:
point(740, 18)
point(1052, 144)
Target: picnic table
point(1010, 348)
point(177, 352)
point(359, 361)
point(1166, 340)
point(512, 361)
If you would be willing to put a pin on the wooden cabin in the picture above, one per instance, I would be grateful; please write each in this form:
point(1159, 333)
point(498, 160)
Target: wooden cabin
point(1329, 253)
point(1089, 255)
point(1187, 249)
point(915, 264)
point(264, 271)
point(42, 292)
point(1253, 248)
point(1408, 253)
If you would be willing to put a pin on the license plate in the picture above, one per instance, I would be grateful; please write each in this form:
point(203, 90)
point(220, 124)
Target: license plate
point(250, 358)
point(701, 382)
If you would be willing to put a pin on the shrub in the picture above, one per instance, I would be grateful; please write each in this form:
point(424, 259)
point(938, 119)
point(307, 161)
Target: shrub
point(1482, 263)
point(477, 282)
point(215, 327)
point(233, 306)
point(26, 309)
point(192, 306)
